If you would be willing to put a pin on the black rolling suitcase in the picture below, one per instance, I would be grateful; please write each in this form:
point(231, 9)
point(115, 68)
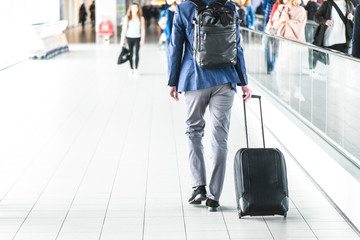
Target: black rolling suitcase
point(260, 178)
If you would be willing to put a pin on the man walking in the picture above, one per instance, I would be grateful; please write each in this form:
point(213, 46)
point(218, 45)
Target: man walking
point(213, 88)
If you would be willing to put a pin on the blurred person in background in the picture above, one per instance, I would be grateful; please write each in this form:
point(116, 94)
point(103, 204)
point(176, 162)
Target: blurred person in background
point(272, 44)
point(356, 34)
point(82, 16)
point(134, 33)
point(249, 13)
point(290, 20)
point(331, 32)
point(167, 17)
point(146, 10)
point(259, 9)
point(92, 14)
point(270, 25)
point(311, 8)
point(267, 8)
point(241, 12)
point(355, 3)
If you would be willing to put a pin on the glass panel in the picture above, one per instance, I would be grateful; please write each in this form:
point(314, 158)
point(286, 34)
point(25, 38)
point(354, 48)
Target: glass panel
point(317, 84)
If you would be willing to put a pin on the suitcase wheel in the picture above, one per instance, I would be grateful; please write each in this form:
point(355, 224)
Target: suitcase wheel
point(285, 214)
point(241, 214)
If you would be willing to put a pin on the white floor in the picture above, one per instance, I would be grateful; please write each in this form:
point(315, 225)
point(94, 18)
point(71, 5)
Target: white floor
point(89, 152)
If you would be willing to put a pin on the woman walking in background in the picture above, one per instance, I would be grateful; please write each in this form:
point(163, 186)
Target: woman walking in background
point(250, 16)
point(134, 33)
point(290, 20)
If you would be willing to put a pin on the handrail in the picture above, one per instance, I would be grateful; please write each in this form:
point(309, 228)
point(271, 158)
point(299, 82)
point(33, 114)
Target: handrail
point(308, 45)
point(316, 75)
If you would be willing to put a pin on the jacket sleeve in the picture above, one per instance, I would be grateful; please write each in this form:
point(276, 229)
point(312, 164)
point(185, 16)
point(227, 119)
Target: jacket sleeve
point(320, 17)
point(351, 8)
point(264, 5)
point(300, 18)
point(162, 14)
point(175, 50)
point(356, 34)
point(240, 63)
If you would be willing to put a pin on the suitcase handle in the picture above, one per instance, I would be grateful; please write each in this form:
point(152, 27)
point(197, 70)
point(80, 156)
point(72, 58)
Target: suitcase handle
point(261, 117)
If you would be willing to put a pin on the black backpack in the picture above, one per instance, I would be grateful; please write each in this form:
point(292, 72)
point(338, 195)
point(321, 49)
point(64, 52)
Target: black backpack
point(215, 34)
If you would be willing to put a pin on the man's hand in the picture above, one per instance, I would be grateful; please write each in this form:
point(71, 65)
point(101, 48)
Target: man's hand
point(247, 92)
point(174, 94)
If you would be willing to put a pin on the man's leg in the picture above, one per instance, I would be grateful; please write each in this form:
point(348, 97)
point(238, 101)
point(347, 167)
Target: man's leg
point(196, 103)
point(220, 112)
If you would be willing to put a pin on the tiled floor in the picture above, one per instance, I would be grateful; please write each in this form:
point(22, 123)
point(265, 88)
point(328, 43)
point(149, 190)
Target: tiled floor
point(89, 152)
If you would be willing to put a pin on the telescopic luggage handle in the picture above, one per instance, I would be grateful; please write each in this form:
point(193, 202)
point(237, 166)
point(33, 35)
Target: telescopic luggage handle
point(261, 117)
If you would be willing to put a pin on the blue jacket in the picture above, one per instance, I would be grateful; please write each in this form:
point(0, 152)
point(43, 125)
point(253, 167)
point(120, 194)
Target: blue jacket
point(184, 73)
point(166, 13)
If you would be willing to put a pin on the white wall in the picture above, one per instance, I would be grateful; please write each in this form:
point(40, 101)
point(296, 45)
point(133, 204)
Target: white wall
point(16, 17)
point(40, 11)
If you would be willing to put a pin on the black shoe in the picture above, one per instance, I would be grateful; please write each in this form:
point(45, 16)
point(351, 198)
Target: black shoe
point(213, 206)
point(198, 195)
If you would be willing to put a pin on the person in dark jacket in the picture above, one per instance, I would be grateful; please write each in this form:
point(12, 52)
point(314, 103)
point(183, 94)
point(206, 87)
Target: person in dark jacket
point(311, 8)
point(332, 33)
point(82, 16)
point(92, 14)
point(259, 9)
point(356, 34)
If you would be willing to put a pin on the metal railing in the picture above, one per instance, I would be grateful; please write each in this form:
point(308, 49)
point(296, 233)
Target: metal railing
point(318, 85)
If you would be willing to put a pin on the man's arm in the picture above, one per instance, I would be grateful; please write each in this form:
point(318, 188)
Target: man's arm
point(240, 63)
point(175, 52)
point(240, 67)
point(320, 13)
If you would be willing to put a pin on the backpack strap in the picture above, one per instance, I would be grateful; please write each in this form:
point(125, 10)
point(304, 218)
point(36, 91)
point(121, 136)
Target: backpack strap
point(223, 2)
point(341, 15)
point(198, 3)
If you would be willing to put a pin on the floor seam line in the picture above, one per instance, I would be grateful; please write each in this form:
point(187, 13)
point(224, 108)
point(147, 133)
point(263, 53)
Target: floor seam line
point(178, 170)
point(148, 164)
point(117, 169)
point(86, 170)
point(53, 174)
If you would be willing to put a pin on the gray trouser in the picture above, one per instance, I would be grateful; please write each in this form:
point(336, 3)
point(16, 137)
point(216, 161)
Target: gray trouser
point(220, 100)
